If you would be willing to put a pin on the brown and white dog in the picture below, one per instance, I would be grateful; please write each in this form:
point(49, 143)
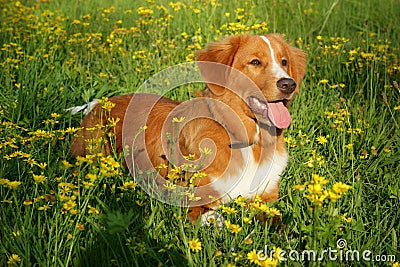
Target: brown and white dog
point(240, 115)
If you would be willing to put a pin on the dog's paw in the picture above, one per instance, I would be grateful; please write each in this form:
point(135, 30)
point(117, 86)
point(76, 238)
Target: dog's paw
point(213, 218)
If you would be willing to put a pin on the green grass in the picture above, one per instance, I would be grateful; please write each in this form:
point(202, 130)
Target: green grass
point(58, 54)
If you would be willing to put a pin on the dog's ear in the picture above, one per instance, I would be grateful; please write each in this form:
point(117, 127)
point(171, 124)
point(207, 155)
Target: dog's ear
point(297, 65)
point(222, 53)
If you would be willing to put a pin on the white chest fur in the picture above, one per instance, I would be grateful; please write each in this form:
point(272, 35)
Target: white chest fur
point(252, 177)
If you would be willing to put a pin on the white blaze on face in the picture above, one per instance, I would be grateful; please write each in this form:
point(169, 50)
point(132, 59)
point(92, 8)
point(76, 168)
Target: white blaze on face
point(276, 68)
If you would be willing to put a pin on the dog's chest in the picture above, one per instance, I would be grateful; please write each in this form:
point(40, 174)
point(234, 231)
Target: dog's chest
point(250, 177)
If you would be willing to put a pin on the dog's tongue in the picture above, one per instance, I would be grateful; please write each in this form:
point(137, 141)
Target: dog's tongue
point(279, 115)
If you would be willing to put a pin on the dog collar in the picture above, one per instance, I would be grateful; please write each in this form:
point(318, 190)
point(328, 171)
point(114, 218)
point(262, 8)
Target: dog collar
point(238, 145)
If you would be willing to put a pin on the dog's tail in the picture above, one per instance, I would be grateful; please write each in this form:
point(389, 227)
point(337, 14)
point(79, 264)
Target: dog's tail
point(86, 107)
point(78, 143)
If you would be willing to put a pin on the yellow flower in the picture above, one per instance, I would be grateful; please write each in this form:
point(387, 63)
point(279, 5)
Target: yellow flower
point(197, 176)
point(315, 188)
point(218, 253)
point(13, 260)
point(128, 185)
point(316, 193)
point(317, 199)
point(248, 241)
point(73, 211)
point(192, 197)
point(277, 253)
point(367, 55)
point(345, 218)
point(252, 256)
point(235, 228)
point(247, 220)
point(189, 57)
point(288, 140)
point(112, 122)
point(268, 262)
point(144, 11)
point(317, 179)
point(364, 155)
point(44, 207)
point(109, 166)
point(87, 185)
point(4, 181)
point(174, 173)
point(258, 206)
point(228, 210)
point(17, 233)
point(170, 186)
point(353, 52)
point(300, 187)
point(42, 165)
point(91, 176)
point(66, 186)
point(386, 149)
point(322, 140)
point(323, 81)
point(27, 202)
point(93, 210)
point(349, 146)
point(39, 178)
point(274, 212)
point(71, 130)
point(181, 119)
point(190, 157)
point(13, 184)
point(106, 104)
point(184, 35)
point(195, 245)
point(31, 161)
point(161, 166)
point(70, 204)
point(80, 226)
point(333, 196)
point(241, 201)
point(340, 188)
point(206, 151)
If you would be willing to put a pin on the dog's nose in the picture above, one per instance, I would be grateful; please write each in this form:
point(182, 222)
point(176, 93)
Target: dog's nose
point(286, 85)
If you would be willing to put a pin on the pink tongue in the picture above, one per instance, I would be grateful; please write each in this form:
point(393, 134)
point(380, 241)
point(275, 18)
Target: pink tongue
point(279, 115)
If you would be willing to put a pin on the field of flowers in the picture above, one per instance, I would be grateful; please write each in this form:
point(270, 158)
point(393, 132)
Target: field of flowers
point(340, 192)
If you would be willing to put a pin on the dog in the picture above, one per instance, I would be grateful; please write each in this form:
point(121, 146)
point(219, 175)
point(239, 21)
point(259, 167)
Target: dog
point(241, 115)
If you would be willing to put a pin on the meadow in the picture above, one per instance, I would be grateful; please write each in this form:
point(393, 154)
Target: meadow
point(340, 191)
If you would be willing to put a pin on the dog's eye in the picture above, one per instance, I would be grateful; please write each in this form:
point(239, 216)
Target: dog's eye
point(255, 62)
point(284, 62)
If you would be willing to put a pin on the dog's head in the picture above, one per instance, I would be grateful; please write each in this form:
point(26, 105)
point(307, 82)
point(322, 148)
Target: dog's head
point(264, 72)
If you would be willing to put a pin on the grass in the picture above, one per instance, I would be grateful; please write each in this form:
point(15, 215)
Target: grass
point(60, 211)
